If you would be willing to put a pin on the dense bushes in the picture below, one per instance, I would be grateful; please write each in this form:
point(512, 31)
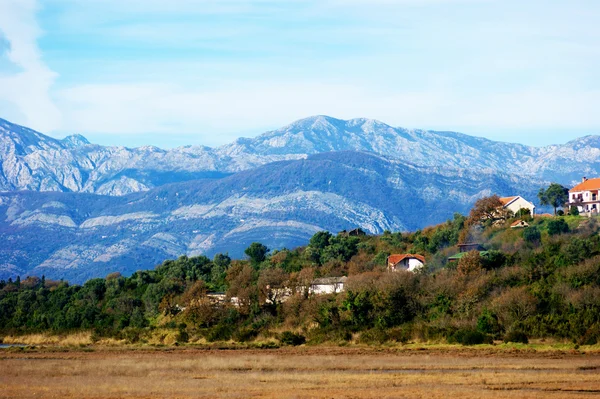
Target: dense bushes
point(290, 338)
point(543, 281)
point(516, 336)
point(469, 337)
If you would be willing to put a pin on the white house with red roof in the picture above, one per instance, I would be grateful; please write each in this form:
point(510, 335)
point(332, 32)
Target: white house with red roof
point(585, 196)
point(516, 203)
point(408, 262)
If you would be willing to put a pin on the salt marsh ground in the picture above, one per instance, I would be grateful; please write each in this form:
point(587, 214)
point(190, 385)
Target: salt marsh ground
point(302, 372)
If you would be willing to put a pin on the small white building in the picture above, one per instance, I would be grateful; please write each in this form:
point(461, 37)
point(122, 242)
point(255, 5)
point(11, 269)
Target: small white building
point(408, 262)
point(515, 204)
point(585, 196)
point(519, 224)
point(327, 285)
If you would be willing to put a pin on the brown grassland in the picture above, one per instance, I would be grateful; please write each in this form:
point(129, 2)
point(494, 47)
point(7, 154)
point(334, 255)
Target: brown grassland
point(299, 372)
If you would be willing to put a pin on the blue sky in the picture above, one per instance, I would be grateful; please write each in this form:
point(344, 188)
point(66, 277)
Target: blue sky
point(168, 73)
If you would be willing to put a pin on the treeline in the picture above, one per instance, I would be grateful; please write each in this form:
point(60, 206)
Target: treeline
point(536, 282)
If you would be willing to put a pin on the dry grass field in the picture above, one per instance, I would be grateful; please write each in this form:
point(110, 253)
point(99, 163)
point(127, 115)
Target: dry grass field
point(311, 372)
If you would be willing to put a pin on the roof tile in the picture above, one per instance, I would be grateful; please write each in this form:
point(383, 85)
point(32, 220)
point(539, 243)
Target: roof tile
point(396, 258)
point(507, 200)
point(589, 184)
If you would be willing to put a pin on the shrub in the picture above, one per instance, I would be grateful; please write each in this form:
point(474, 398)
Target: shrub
point(557, 226)
point(329, 334)
point(487, 323)
point(290, 338)
point(469, 337)
point(267, 345)
point(182, 336)
point(374, 336)
point(516, 336)
point(574, 211)
point(402, 335)
point(493, 260)
point(560, 212)
point(132, 335)
point(591, 336)
point(245, 334)
point(470, 263)
point(532, 234)
point(514, 305)
point(220, 332)
point(524, 214)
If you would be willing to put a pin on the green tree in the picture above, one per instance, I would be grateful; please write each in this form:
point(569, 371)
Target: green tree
point(555, 195)
point(222, 260)
point(320, 240)
point(523, 214)
point(257, 252)
point(574, 211)
point(341, 248)
point(493, 260)
point(218, 273)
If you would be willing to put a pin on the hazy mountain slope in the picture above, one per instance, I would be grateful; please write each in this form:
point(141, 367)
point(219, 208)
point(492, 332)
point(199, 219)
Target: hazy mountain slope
point(561, 163)
point(32, 161)
point(78, 236)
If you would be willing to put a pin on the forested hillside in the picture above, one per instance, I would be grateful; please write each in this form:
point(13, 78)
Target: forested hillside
point(542, 281)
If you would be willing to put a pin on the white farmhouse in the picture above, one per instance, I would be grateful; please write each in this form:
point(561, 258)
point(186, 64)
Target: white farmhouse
point(408, 262)
point(516, 203)
point(327, 285)
point(585, 196)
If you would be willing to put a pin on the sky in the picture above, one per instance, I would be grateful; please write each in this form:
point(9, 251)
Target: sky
point(170, 73)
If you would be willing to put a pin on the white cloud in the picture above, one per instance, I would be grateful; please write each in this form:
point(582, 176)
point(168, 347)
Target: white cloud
point(27, 91)
point(221, 114)
point(221, 68)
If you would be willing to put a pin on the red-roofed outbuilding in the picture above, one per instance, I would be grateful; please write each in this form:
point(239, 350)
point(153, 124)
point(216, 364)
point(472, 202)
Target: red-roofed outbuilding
point(410, 262)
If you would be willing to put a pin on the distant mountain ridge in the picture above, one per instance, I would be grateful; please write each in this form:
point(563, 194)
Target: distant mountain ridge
point(77, 236)
point(33, 161)
point(75, 210)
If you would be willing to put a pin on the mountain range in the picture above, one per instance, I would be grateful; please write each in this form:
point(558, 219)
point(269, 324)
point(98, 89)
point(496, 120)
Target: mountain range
point(75, 210)
point(33, 161)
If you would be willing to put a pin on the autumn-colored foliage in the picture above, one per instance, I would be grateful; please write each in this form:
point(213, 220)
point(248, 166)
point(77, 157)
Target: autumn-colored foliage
point(522, 285)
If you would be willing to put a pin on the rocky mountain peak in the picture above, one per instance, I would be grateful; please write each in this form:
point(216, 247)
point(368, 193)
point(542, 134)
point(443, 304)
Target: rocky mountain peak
point(74, 141)
point(33, 161)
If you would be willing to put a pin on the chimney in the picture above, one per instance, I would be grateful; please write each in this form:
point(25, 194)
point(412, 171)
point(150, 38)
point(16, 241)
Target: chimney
point(584, 179)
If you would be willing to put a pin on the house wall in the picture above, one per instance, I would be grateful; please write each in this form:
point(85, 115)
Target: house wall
point(521, 203)
point(414, 264)
point(592, 204)
point(410, 264)
point(318, 289)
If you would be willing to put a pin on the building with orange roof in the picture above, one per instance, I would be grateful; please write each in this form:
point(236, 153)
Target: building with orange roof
point(408, 262)
point(519, 224)
point(516, 203)
point(585, 196)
